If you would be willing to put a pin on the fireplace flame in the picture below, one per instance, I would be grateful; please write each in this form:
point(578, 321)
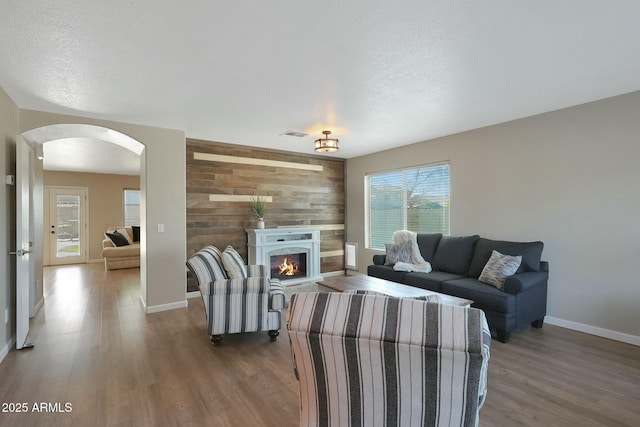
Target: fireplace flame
point(287, 268)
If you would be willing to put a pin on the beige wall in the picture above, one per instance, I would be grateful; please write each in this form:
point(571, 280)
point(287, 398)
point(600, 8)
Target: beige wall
point(106, 203)
point(8, 133)
point(163, 274)
point(569, 178)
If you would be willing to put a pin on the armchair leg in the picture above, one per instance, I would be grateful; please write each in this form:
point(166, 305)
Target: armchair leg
point(274, 334)
point(216, 339)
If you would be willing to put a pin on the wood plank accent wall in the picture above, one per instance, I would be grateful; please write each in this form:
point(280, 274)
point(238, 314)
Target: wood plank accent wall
point(305, 190)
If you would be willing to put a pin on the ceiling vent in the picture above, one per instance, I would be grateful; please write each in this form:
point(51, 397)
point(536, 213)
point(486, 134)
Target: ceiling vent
point(294, 133)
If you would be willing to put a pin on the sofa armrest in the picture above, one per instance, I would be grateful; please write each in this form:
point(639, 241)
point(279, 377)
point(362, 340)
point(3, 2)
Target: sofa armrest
point(524, 281)
point(379, 259)
point(544, 266)
point(107, 243)
point(277, 298)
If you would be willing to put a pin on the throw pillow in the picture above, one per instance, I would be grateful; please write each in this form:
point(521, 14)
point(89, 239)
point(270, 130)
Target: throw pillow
point(234, 264)
point(136, 232)
point(206, 266)
point(117, 238)
point(398, 252)
point(498, 268)
point(125, 234)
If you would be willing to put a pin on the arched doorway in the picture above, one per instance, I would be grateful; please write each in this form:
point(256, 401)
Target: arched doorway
point(36, 138)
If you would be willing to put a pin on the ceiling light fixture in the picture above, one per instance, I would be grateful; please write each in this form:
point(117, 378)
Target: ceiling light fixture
point(326, 144)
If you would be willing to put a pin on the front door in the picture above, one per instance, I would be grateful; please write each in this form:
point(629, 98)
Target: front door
point(67, 225)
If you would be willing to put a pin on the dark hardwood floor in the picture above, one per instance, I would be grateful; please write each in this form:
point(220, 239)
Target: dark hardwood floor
point(99, 360)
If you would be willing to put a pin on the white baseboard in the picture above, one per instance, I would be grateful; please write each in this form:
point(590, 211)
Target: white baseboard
point(37, 307)
point(333, 273)
point(8, 346)
point(594, 330)
point(163, 307)
point(194, 294)
point(95, 261)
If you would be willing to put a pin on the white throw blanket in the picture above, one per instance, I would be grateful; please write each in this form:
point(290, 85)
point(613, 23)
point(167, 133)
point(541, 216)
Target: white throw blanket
point(419, 264)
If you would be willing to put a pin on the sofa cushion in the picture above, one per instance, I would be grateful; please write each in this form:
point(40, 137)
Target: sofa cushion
point(122, 251)
point(385, 272)
point(498, 268)
point(233, 263)
point(398, 252)
point(428, 243)
point(429, 281)
point(531, 253)
point(483, 296)
point(117, 238)
point(454, 254)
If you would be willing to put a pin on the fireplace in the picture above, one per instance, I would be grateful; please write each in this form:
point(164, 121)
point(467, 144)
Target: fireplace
point(289, 266)
point(291, 254)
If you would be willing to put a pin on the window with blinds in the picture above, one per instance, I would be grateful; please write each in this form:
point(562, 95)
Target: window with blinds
point(131, 207)
point(415, 199)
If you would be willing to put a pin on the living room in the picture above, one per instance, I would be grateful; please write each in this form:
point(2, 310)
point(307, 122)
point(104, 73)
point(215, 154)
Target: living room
point(566, 177)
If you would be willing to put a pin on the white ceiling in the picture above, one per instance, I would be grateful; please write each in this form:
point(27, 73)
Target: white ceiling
point(378, 73)
point(84, 155)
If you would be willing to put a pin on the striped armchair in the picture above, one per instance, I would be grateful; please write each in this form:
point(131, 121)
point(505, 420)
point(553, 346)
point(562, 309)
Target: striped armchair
point(240, 304)
point(367, 360)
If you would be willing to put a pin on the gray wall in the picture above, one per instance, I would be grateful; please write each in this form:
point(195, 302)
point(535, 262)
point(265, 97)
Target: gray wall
point(570, 178)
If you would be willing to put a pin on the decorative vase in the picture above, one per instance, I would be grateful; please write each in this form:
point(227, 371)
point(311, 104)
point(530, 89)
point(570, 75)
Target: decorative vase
point(260, 222)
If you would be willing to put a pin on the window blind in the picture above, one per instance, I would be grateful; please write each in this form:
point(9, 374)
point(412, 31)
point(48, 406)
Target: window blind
point(131, 207)
point(415, 199)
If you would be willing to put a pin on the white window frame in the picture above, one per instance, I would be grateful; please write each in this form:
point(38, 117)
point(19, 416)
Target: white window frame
point(124, 205)
point(367, 199)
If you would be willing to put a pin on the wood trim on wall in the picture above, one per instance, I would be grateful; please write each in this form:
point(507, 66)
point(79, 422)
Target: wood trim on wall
point(253, 161)
point(301, 190)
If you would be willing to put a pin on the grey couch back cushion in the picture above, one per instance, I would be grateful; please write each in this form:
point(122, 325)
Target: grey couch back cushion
point(454, 254)
point(531, 253)
point(428, 243)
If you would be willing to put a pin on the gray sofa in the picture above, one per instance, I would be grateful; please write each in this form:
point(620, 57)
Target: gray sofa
point(457, 263)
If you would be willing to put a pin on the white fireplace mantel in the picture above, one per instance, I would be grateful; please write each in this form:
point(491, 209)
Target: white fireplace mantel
point(265, 242)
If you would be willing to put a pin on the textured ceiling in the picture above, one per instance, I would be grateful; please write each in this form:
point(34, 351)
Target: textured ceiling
point(379, 74)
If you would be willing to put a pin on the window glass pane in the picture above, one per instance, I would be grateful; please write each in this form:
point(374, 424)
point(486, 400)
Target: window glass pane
point(415, 199)
point(428, 199)
point(131, 207)
point(68, 226)
point(386, 208)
